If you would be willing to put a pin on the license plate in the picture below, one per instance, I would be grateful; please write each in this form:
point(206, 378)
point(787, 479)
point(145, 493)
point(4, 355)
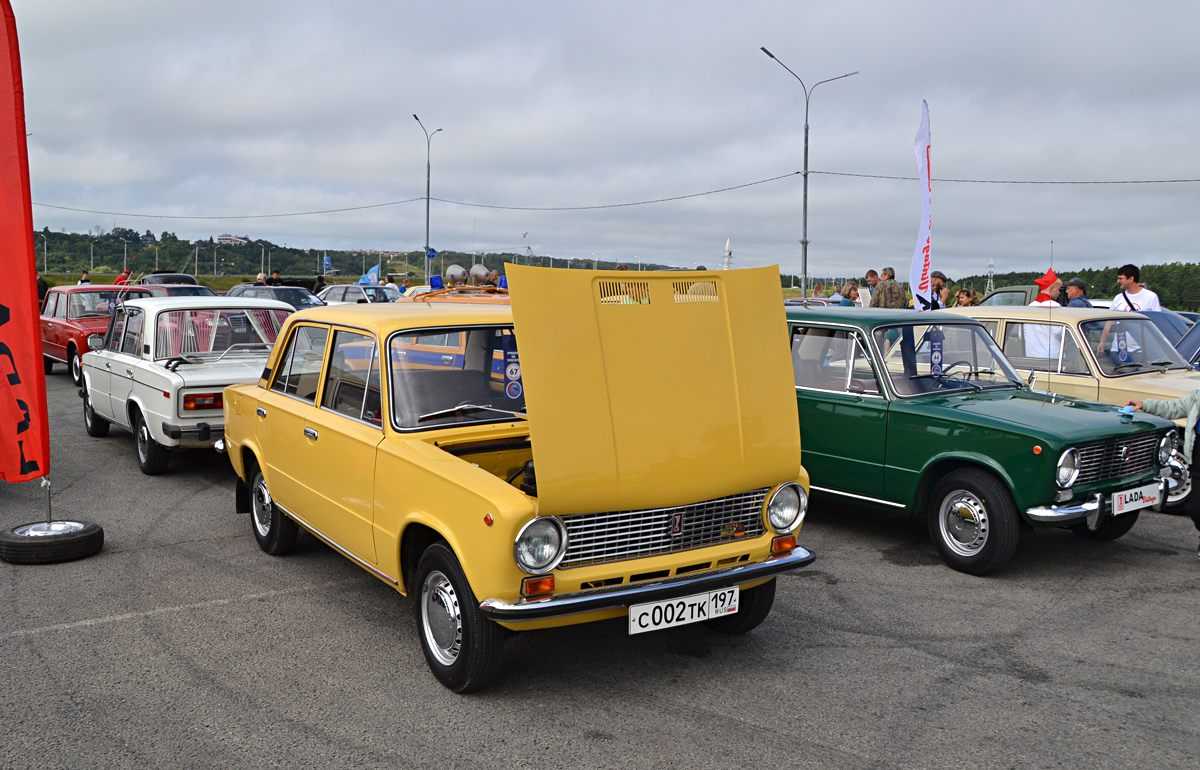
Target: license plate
point(679, 612)
point(1133, 499)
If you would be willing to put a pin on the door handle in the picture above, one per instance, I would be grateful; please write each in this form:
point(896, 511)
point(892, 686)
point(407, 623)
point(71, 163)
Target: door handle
point(448, 359)
point(260, 412)
point(129, 372)
point(107, 365)
point(310, 433)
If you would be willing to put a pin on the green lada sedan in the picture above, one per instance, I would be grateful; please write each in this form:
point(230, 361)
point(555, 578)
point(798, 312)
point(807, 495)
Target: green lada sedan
point(921, 412)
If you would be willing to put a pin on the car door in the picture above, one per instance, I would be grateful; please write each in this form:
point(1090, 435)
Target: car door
point(340, 441)
point(52, 328)
point(98, 367)
point(125, 360)
point(1052, 351)
point(283, 410)
point(843, 411)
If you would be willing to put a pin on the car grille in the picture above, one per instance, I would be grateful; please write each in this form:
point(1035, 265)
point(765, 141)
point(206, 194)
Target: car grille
point(1100, 462)
point(597, 538)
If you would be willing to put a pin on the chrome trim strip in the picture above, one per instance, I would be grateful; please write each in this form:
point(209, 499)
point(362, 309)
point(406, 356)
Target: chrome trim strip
point(365, 565)
point(857, 497)
point(627, 595)
point(1060, 514)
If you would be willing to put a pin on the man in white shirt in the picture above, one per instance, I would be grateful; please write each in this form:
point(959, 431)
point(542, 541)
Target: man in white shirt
point(1132, 298)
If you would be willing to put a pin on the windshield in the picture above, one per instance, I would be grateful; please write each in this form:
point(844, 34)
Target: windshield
point(378, 294)
point(453, 376)
point(200, 332)
point(168, 278)
point(392, 293)
point(296, 297)
point(1130, 346)
point(100, 304)
point(189, 291)
point(932, 358)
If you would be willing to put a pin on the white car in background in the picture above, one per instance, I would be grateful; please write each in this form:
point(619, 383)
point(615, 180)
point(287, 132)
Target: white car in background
point(161, 367)
point(349, 294)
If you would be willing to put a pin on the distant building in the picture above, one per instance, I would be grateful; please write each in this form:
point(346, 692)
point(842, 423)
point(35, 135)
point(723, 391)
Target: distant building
point(233, 240)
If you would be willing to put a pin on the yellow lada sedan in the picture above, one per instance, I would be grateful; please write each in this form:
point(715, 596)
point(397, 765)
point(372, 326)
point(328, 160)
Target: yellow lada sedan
point(1098, 355)
point(636, 460)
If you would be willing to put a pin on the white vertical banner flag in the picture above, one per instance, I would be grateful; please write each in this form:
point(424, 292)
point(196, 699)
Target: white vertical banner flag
point(918, 272)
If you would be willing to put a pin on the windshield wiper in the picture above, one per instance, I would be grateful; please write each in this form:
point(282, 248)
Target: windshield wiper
point(469, 408)
point(1165, 363)
point(1122, 366)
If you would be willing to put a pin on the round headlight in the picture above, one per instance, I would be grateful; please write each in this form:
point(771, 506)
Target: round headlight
point(1068, 468)
point(1167, 446)
point(540, 545)
point(787, 507)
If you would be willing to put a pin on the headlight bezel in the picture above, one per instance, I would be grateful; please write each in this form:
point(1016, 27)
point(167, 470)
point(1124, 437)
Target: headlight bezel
point(1169, 442)
point(531, 569)
point(801, 508)
point(1071, 452)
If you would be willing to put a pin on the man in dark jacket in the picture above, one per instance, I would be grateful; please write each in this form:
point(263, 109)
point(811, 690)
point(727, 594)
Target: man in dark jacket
point(1077, 292)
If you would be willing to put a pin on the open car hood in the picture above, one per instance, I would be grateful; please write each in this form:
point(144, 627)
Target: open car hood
point(654, 389)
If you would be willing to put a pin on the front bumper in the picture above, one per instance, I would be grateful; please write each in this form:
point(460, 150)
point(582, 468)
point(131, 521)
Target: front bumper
point(1094, 510)
point(650, 591)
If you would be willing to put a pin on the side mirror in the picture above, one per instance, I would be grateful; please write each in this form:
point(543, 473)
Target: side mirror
point(1032, 380)
point(95, 341)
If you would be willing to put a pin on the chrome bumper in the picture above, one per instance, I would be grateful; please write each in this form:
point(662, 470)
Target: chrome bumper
point(650, 591)
point(201, 432)
point(1093, 510)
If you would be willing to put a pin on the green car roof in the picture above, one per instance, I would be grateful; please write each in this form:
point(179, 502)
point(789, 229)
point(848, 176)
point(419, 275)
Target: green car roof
point(868, 318)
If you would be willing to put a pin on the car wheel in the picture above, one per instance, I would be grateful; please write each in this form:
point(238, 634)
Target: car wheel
point(152, 456)
point(74, 365)
point(753, 607)
point(48, 542)
point(974, 521)
point(276, 533)
point(1112, 528)
point(1177, 501)
point(464, 649)
point(48, 365)
point(95, 425)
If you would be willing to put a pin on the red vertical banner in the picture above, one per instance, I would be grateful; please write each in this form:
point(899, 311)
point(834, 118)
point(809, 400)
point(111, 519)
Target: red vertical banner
point(24, 433)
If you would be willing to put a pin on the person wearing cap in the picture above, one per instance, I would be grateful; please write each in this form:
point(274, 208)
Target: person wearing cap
point(1048, 285)
point(940, 290)
point(1077, 292)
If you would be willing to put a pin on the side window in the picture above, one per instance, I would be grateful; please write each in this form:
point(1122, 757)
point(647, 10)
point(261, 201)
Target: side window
point(1043, 347)
point(132, 338)
point(355, 358)
point(300, 371)
point(991, 327)
point(336, 294)
point(116, 332)
point(833, 360)
point(60, 311)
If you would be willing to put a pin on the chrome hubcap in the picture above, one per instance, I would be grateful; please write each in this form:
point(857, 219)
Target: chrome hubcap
point(76, 369)
point(963, 522)
point(1185, 483)
point(48, 528)
point(261, 503)
point(441, 619)
point(143, 439)
point(87, 409)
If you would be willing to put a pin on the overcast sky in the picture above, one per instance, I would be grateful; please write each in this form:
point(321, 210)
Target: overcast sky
point(245, 107)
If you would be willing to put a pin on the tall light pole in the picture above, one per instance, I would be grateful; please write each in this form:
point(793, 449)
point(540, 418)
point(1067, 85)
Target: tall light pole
point(45, 253)
point(428, 144)
point(804, 220)
point(125, 261)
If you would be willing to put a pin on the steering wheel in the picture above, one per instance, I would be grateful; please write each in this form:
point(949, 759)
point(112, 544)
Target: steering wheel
point(946, 369)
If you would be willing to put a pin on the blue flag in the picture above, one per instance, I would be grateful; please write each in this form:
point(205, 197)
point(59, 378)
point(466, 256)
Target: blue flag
point(371, 277)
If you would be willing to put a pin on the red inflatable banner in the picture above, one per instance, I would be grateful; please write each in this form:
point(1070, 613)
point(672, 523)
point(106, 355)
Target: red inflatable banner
point(24, 434)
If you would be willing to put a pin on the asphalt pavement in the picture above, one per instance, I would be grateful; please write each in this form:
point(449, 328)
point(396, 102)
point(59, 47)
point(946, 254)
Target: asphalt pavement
point(181, 644)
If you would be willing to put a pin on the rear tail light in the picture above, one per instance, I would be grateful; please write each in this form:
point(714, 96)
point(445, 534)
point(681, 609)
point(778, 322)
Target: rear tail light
point(194, 401)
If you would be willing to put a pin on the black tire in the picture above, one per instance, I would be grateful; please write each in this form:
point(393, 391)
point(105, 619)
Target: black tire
point(276, 533)
point(95, 425)
point(74, 365)
point(48, 365)
point(753, 607)
point(974, 521)
point(464, 649)
point(1112, 528)
point(152, 456)
point(40, 542)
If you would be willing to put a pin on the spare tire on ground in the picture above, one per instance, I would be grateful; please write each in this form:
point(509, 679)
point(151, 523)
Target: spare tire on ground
point(48, 542)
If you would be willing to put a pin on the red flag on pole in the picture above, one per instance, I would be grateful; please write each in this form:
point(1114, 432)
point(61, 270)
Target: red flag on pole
point(24, 434)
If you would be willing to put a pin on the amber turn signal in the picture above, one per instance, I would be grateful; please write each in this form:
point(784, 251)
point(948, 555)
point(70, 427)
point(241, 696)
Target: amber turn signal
point(193, 401)
point(537, 586)
point(784, 544)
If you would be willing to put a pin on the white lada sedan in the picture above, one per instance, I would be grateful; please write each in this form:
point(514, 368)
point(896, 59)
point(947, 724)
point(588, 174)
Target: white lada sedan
point(161, 367)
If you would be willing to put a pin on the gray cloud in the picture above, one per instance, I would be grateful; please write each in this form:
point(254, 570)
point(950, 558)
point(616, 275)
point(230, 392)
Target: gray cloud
point(265, 107)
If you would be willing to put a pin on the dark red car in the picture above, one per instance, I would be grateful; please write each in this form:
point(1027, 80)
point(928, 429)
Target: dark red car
point(70, 314)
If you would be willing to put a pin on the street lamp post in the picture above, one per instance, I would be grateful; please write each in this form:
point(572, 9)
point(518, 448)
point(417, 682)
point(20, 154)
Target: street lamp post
point(125, 259)
point(804, 217)
point(428, 144)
